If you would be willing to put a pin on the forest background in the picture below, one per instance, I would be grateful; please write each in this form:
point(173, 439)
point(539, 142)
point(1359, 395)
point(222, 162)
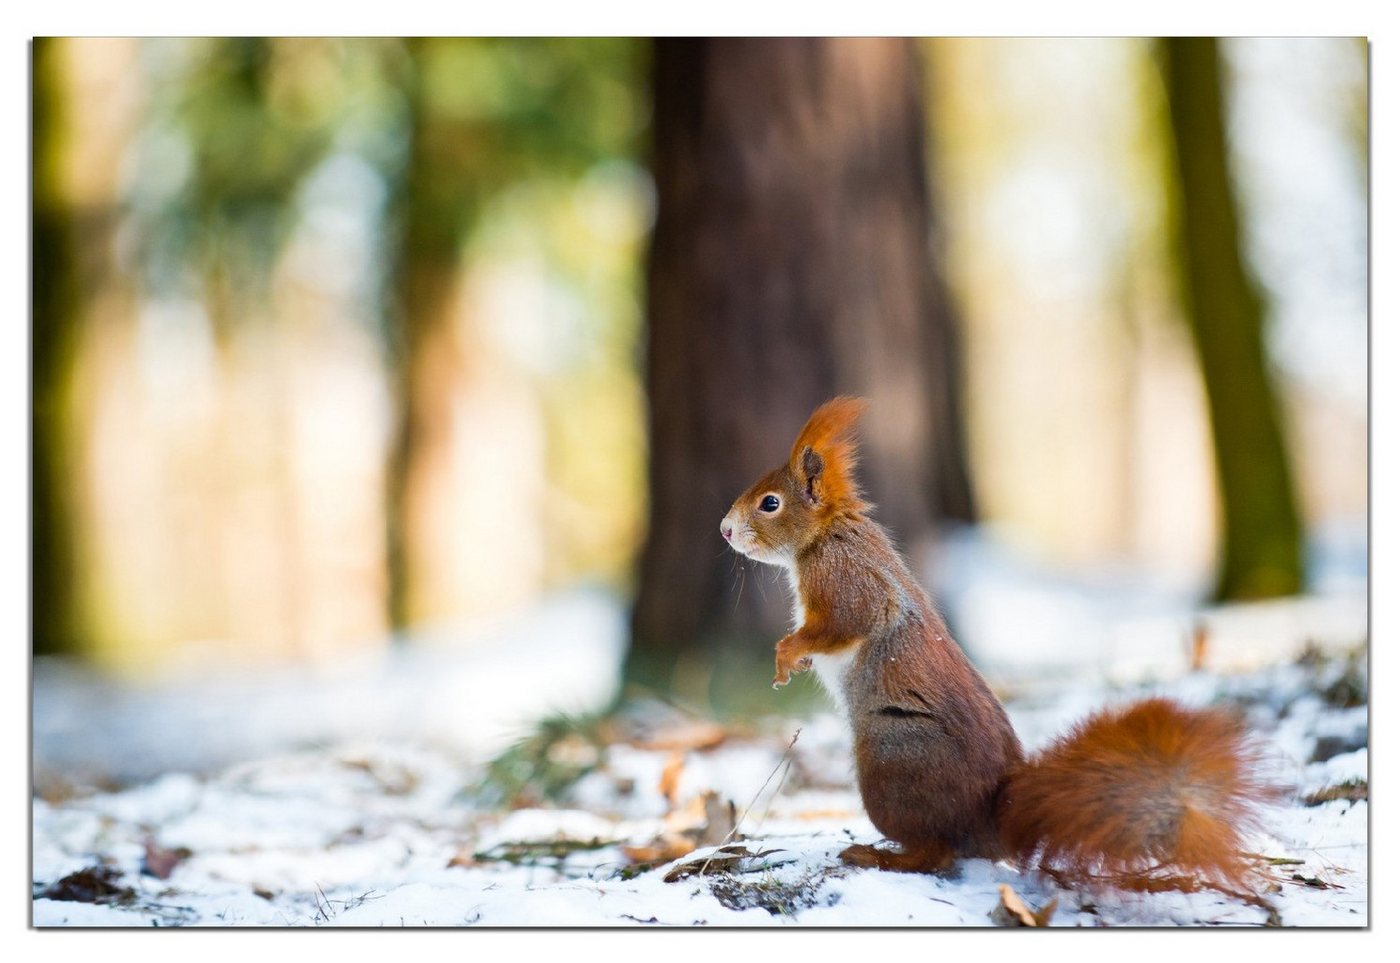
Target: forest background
point(343, 342)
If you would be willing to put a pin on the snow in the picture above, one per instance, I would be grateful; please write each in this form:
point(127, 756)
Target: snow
point(353, 795)
point(1028, 622)
point(386, 832)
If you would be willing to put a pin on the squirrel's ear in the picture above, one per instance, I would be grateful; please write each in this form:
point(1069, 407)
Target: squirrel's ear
point(824, 456)
point(812, 465)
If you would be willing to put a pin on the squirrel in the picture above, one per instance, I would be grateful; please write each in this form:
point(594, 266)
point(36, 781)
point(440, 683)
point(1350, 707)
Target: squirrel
point(1151, 796)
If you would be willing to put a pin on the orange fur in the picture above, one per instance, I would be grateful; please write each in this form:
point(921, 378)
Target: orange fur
point(1126, 796)
point(1153, 787)
point(830, 434)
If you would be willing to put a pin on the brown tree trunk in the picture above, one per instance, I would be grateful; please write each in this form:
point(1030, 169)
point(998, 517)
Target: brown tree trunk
point(790, 262)
point(431, 209)
point(1261, 551)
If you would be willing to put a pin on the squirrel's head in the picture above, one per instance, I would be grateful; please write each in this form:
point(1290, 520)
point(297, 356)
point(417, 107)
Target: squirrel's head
point(786, 509)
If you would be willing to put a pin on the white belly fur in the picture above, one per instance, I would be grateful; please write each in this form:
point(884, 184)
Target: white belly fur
point(831, 669)
point(799, 611)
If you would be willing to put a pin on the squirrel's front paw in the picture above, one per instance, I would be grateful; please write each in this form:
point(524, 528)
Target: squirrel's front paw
point(784, 674)
point(788, 661)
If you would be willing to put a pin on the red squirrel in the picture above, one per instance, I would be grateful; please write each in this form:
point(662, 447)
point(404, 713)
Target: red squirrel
point(1126, 796)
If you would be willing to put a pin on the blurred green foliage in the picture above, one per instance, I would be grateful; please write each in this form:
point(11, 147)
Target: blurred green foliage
point(236, 125)
point(460, 152)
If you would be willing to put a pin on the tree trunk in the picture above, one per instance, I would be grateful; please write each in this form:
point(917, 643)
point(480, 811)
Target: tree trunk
point(950, 494)
point(1261, 545)
point(790, 262)
point(431, 211)
point(54, 285)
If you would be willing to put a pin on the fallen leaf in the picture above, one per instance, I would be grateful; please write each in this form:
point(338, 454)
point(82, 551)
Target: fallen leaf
point(161, 862)
point(690, 817)
point(1311, 881)
point(705, 820)
point(95, 884)
point(533, 852)
point(1200, 646)
point(1012, 911)
point(663, 849)
point(463, 858)
point(671, 776)
point(813, 814)
point(727, 859)
point(683, 734)
point(1353, 790)
point(708, 816)
point(720, 820)
point(395, 780)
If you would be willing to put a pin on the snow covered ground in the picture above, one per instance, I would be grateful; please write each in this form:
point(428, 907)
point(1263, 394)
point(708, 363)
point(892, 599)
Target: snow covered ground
point(364, 795)
point(581, 831)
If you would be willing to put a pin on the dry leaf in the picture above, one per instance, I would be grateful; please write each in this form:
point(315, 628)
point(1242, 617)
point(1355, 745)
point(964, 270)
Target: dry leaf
point(95, 884)
point(708, 817)
point(1311, 881)
point(1200, 646)
point(705, 820)
point(663, 849)
point(464, 858)
point(671, 776)
point(683, 734)
point(720, 820)
point(704, 867)
point(814, 814)
point(687, 818)
point(727, 859)
point(161, 862)
point(529, 852)
point(1012, 911)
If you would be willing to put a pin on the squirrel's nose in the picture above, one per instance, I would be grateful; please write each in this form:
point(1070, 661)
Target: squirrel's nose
point(726, 529)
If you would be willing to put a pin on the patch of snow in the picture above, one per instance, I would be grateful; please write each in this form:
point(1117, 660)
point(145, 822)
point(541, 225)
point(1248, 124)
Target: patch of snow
point(379, 833)
point(1027, 623)
point(460, 688)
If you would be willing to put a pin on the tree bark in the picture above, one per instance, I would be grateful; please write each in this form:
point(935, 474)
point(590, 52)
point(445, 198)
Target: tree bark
point(432, 207)
point(790, 262)
point(1261, 553)
point(54, 285)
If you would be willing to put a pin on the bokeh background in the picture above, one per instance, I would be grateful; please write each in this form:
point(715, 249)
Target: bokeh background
point(343, 347)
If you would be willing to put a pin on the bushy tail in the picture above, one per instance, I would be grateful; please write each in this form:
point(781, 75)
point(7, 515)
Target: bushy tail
point(1132, 794)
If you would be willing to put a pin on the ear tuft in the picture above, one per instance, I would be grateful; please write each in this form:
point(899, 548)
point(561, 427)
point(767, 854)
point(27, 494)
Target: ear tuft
point(824, 456)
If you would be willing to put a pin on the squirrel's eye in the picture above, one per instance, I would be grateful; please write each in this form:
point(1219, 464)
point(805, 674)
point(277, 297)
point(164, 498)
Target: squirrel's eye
point(769, 503)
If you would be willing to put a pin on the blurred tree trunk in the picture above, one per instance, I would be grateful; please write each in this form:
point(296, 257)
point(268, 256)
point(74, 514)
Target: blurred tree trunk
point(483, 116)
point(1261, 551)
point(791, 261)
point(54, 287)
point(431, 211)
point(950, 494)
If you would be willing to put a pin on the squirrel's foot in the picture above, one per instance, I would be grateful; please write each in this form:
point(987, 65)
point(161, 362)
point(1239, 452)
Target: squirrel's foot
point(936, 858)
point(788, 661)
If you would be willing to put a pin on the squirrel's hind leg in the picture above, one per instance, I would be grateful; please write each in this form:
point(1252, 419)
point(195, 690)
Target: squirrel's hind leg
point(933, 858)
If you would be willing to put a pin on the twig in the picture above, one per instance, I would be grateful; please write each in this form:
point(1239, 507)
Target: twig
point(786, 758)
point(324, 913)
